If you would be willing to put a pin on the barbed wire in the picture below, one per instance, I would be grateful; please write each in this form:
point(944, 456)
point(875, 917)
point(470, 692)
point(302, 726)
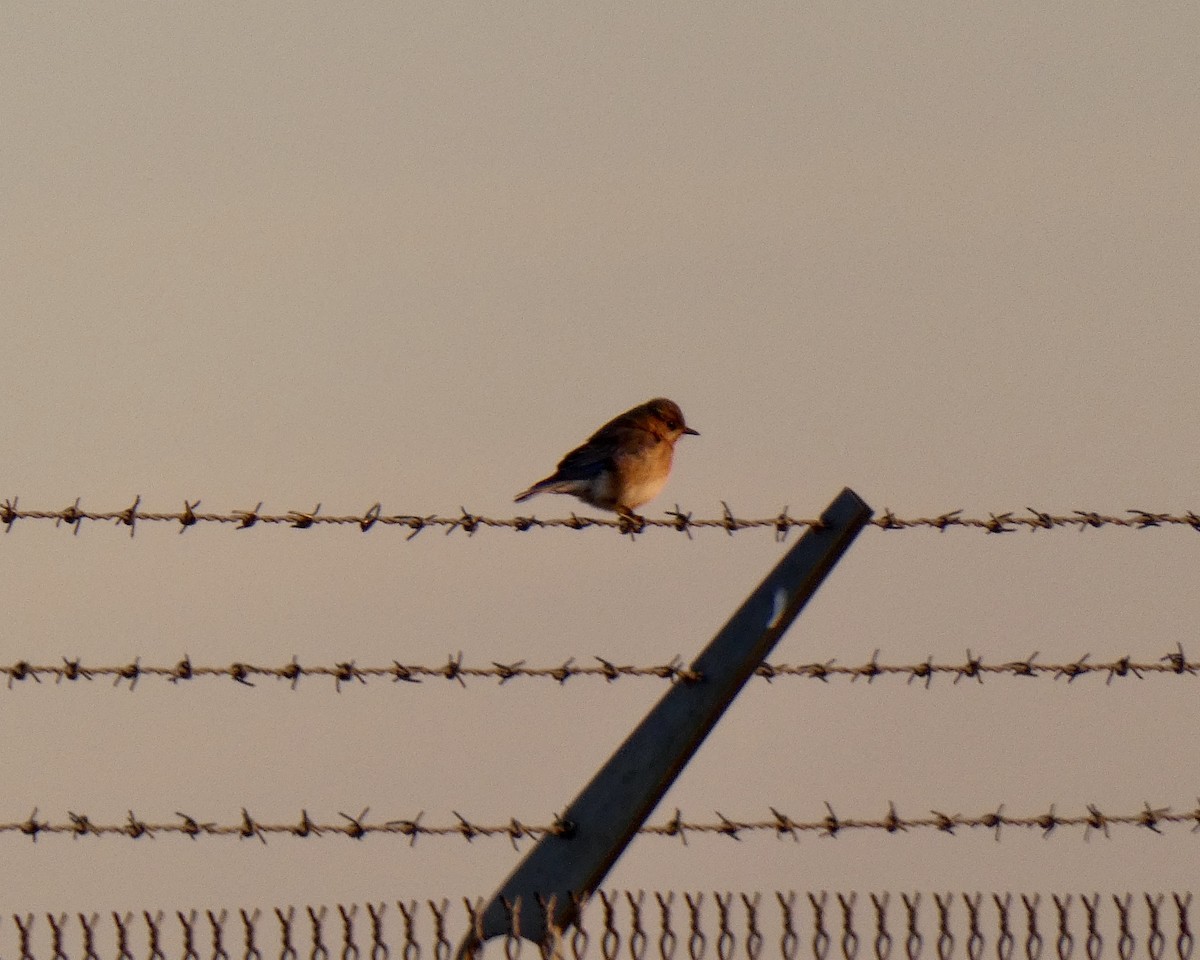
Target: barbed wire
point(781, 825)
point(244, 673)
point(75, 515)
point(663, 925)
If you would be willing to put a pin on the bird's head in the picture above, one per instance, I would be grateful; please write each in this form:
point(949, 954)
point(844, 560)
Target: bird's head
point(665, 418)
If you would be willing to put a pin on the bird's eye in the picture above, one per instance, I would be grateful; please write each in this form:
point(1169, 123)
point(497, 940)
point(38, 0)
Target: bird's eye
point(672, 425)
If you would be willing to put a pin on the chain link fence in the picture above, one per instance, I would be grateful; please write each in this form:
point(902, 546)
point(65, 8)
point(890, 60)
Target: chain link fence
point(644, 926)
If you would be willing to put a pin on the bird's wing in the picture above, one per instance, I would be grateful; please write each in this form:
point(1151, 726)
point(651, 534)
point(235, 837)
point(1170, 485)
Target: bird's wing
point(602, 448)
point(586, 459)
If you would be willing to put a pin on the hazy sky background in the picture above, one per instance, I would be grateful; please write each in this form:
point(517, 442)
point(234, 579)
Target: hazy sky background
point(411, 253)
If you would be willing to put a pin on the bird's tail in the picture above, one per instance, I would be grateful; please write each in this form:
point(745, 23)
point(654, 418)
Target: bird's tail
point(552, 484)
point(526, 494)
point(532, 491)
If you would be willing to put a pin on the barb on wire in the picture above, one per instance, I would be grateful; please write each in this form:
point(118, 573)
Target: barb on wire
point(781, 825)
point(972, 668)
point(679, 520)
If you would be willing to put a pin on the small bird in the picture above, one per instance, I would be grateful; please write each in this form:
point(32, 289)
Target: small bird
point(622, 465)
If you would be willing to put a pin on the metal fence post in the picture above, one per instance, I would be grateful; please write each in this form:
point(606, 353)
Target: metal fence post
point(608, 812)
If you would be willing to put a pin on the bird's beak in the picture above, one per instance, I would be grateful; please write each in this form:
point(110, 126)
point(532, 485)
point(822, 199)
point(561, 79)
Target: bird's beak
point(694, 433)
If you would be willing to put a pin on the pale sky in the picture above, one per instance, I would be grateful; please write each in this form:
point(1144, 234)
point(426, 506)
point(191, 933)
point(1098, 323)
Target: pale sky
point(413, 253)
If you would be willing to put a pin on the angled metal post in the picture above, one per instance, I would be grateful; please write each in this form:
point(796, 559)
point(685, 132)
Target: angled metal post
point(608, 812)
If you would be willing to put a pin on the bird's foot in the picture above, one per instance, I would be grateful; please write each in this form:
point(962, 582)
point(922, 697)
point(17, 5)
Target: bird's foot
point(630, 522)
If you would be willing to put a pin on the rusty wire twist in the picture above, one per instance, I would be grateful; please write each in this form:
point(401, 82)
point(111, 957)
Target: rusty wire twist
point(973, 667)
point(995, 522)
point(1093, 820)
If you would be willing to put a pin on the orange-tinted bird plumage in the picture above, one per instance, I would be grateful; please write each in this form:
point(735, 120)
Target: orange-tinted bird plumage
point(622, 465)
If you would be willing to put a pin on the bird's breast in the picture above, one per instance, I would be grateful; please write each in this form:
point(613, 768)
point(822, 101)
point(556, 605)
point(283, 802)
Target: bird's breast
point(640, 478)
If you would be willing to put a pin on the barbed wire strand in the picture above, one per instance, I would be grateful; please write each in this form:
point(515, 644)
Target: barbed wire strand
point(75, 515)
point(973, 667)
point(612, 924)
point(783, 826)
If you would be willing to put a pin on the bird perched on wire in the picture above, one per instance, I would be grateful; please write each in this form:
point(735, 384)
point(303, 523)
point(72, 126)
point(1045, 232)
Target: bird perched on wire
point(622, 465)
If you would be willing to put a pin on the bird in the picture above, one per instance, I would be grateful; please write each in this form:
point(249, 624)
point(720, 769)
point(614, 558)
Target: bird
point(624, 464)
